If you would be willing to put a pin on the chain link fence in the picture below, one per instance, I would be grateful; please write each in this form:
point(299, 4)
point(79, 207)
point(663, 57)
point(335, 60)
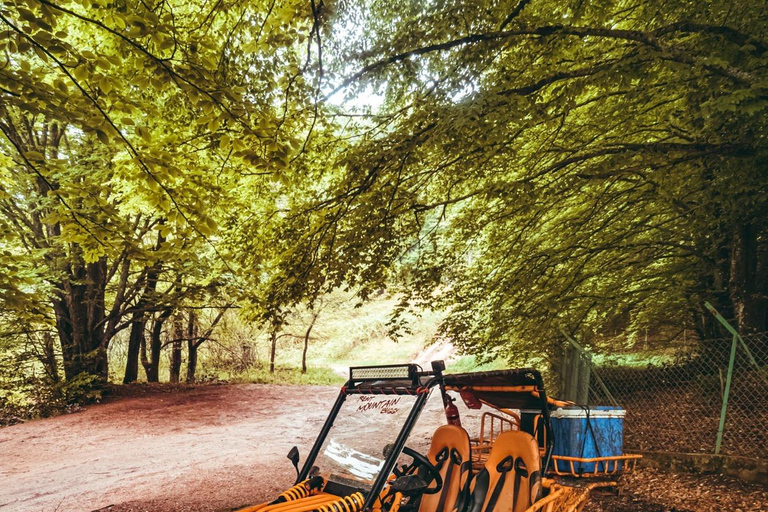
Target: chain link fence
point(677, 403)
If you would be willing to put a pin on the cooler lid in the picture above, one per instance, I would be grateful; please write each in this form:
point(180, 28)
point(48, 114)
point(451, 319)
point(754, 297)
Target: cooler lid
point(597, 412)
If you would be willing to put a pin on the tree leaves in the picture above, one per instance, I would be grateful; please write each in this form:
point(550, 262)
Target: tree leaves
point(144, 133)
point(582, 167)
point(103, 137)
point(534, 183)
point(103, 124)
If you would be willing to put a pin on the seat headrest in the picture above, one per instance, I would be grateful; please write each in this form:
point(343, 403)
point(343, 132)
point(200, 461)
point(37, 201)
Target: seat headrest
point(515, 444)
point(450, 436)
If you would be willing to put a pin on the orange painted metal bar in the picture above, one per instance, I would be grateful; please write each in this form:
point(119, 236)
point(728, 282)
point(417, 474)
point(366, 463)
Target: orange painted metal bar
point(317, 498)
point(494, 419)
point(396, 502)
point(512, 389)
point(583, 496)
point(553, 401)
point(504, 389)
point(563, 498)
point(301, 505)
point(294, 493)
point(271, 507)
point(608, 469)
point(254, 508)
point(597, 459)
point(555, 498)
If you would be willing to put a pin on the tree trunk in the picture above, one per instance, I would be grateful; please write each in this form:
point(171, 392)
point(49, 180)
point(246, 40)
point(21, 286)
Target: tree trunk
point(144, 359)
point(191, 361)
point(78, 297)
point(155, 345)
point(178, 336)
point(79, 312)
point(192, 345)
point(49, 358)
point(306, 343)
point(747, 285)
point(139, 319)
point(138, 324)
point(273, 337)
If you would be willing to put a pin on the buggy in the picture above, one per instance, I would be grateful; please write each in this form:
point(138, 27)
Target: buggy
point(367, 457)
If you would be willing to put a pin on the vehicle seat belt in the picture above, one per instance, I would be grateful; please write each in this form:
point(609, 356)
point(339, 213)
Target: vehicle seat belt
point(503, 467)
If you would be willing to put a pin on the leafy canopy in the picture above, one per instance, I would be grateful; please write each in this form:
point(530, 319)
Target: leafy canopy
point(542, 164)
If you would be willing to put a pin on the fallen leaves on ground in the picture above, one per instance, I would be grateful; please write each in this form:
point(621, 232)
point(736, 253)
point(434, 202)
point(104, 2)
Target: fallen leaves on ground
point(653, 490)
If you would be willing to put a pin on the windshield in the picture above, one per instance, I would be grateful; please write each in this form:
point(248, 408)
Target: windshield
point(353, 452)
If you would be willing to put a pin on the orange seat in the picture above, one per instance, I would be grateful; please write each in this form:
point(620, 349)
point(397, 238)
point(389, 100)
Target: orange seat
point(450, 453)
point(510, 481)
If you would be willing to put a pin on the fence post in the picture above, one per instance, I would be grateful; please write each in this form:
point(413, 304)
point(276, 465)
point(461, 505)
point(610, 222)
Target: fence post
point(736, 337)
point(743, 343)
point(571, 367)
point(583, 360)
point(721, 427)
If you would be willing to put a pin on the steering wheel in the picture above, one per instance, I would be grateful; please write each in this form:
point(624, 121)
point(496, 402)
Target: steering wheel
point(408, 472)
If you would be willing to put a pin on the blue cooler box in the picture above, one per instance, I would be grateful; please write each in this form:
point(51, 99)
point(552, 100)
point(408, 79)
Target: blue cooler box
point(588, 432)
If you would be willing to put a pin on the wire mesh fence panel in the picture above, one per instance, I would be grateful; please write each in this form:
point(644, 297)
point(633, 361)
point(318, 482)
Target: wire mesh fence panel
point(746, 420)
point(676, 405)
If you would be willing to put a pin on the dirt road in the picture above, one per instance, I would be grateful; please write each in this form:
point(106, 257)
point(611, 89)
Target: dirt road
point(218, 448)
point(210, 448)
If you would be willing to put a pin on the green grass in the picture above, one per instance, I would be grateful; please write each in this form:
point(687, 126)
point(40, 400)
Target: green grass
point(287, 376)
point(638, 359)
point(347, 336)
point(469, 364)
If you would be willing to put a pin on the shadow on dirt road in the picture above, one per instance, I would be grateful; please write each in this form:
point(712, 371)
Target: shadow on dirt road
point(206, 448)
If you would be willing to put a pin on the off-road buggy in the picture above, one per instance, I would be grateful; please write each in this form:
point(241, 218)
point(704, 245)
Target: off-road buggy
point(361, 461)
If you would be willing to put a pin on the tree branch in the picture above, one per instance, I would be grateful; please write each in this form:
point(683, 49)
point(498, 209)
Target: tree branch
point(645, 38)
point(515, 12)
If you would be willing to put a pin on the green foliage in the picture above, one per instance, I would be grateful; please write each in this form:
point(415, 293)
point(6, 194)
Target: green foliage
point(83, 389)
point(469, 363)
point(562, 165)
point(344, 333)
point(509, 169)
point(25, 395)
point(130, 135)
